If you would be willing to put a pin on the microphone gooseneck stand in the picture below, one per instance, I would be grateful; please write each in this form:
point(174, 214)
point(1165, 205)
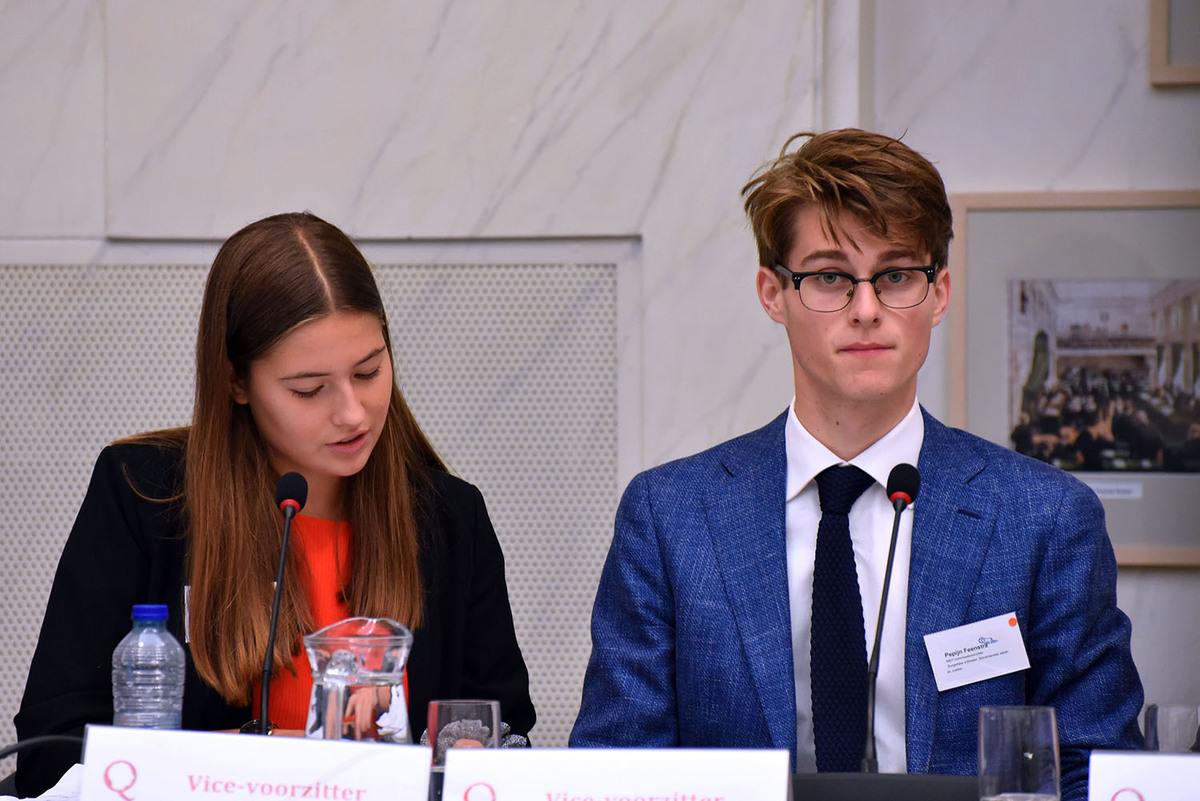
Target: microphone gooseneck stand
point(903, 483)
point(291, 493)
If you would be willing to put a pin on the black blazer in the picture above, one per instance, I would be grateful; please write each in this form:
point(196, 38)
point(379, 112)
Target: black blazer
point(125, 550)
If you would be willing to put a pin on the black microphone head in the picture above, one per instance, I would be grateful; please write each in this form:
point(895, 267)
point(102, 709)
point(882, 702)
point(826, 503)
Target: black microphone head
point(904, 480)
point(291, 487)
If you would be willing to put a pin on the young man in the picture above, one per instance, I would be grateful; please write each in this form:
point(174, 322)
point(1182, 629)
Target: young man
point(720, 620)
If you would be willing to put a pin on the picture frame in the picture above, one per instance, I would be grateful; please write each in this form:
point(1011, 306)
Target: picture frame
point(1002, 239)
point(1175, 42)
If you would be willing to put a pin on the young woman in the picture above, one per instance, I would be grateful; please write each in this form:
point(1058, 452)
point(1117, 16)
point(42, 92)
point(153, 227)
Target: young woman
point(293, 373)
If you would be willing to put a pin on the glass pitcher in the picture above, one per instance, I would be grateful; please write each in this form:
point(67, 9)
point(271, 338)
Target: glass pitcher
point(358, 681)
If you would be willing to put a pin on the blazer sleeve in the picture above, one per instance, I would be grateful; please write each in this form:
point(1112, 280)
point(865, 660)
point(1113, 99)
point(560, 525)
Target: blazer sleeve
point(629, 687)
point(1080, 660)
point(467, 647)
point(103, 571)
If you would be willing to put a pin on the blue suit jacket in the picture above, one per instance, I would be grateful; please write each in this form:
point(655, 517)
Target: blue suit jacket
point(691, 634)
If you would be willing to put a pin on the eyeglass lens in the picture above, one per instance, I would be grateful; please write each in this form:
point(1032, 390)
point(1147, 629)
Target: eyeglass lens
point(897, 289)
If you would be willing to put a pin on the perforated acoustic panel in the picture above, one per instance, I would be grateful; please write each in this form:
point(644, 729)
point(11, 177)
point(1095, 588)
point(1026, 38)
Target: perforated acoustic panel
point(510, 368)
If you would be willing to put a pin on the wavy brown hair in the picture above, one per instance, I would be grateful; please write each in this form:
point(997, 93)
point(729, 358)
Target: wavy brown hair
point(267, 279)
point(890, 189)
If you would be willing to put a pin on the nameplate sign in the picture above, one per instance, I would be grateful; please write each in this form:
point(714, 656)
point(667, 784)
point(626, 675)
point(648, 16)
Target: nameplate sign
point(1142, 776)
point(122, 764)
point(607, 774)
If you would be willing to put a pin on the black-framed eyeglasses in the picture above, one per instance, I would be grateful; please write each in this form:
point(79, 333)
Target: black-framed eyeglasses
point(830, 290)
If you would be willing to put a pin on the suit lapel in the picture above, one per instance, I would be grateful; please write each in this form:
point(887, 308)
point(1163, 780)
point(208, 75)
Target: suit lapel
point(744, 507)
point(952, 526)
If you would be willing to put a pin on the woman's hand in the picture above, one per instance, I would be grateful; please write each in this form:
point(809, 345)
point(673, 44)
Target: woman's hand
point(362, 710)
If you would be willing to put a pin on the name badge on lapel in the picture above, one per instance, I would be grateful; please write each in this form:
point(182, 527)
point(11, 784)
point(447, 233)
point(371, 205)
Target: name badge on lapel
point(977, 651)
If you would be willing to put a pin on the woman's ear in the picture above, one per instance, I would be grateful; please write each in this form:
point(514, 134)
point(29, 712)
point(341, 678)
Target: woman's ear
point(237, 387)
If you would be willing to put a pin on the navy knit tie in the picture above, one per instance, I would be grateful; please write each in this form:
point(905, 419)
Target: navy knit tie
point(838, 646)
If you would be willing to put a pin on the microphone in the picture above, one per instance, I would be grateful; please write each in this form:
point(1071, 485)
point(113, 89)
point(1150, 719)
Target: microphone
point(903, 483)
point(290, 495)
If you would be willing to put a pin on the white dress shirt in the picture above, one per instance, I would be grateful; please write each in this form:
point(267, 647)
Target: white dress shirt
point(870, 529)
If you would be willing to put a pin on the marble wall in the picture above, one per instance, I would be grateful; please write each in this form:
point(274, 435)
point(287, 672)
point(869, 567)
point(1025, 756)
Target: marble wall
point(130, 121)
point(428, 120)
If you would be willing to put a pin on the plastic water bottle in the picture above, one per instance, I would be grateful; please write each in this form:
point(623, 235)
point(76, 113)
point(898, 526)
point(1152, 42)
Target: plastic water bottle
point(147, 673)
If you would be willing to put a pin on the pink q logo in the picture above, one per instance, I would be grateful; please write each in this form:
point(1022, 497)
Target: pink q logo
point(1128, 794)
point(120, 776)
point(479, 791)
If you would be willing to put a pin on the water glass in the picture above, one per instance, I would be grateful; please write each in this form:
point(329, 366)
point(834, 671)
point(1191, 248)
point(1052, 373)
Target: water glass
point(468, 723)
point(1018, 754)
point(1171, 728)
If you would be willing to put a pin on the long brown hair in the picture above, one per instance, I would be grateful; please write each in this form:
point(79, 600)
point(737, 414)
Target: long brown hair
point(267, 279)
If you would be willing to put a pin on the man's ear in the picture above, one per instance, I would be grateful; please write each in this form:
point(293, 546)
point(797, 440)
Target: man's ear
point(770, 293)
point(237, 388)
point(941, 294)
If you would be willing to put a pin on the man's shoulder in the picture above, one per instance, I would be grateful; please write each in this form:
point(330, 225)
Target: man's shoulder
point(986, 461)
point(754, 446)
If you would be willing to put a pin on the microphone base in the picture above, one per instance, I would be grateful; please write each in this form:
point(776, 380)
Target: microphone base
point(256, 727)
point(883, 787)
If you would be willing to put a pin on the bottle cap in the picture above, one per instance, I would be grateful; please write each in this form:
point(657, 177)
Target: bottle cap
point(149, 612)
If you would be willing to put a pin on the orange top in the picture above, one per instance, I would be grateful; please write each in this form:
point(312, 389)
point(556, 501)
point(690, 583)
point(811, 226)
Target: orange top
point(324, 550)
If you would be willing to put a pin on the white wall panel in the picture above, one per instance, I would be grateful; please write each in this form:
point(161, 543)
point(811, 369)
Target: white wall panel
point(51, 118)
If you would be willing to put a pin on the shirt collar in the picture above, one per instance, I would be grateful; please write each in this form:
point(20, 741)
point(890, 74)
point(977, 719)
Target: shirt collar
point(806, 457)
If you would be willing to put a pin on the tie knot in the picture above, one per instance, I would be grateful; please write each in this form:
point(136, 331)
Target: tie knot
point(840, 486)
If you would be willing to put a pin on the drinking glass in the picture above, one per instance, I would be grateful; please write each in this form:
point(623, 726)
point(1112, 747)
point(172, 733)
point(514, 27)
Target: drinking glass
point(1172, 728)
point(1018, 754)
point(467, 723)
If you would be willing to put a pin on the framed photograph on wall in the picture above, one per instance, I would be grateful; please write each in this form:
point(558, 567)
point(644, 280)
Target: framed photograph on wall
point(1075, 338)
point(1175, 42)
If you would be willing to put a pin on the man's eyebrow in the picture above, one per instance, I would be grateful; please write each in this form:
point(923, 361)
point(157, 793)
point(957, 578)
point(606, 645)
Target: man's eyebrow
point(840, 255)
point(898, 253)
point(361, 361)
point(826, 255)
